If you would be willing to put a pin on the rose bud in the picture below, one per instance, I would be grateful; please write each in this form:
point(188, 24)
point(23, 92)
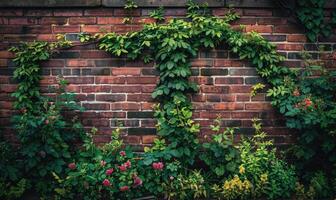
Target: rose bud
point(124, 188)
point(109, 171)
point(72, 166)
point(106, 183)
point(122, 153)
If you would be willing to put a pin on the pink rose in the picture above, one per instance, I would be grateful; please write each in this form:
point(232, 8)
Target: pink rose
point(122, 153)
point(109, 171)
point(106, 182)
point(137, 181)
point(72, 166)
point(158, 166)
point(122, 168)
point(124, 188)
point(128, 164)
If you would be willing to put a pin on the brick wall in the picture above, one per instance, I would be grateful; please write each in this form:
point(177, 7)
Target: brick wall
point(115, 90)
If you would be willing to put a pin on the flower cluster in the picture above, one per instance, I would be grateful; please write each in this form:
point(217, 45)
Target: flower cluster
point(125, 166)
point(158, 166)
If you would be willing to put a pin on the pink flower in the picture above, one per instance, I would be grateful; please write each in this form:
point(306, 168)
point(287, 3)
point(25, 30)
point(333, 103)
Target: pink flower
point(158, 166)
point(72, 166)
point(308, 102)
point(124, 188)
point(109, 171)
point(122, 168)
point(137, 181)
point(106, 182)
point(103, 163)
point(46, 122)
point(128, 164)
point(122, 153)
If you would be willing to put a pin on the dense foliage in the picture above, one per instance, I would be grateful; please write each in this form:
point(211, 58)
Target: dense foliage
point(171, 167)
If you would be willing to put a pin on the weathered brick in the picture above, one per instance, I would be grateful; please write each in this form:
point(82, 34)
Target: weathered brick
point(109, 80)
point(110, 20)
point(125, 106)
point(80, 80)
point(257, 12)
point(141, 80)
point(126, 71)
point(141, 114)
point(229, 80)
point(212, 71)
point(82, 20)
point(228, 106)
point(99, 12)
point(68, 13)
point(96, 106)
point(296, 38)
point(110, 97)
point(66, 29)
point(148, 139)
point(141, 131)
point(259, 28)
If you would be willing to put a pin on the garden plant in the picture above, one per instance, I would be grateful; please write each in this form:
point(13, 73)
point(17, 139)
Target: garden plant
point(57, 159)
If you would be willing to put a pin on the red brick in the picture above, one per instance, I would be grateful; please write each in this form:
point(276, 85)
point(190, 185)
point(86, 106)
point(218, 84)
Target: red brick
point(70, 12)
point(96, 88)
point(125, 106)
point(110, 97)
point(239, 89)
point(287, 29)
point(290, 47)
point(80, 80)
point(99, 12)
point(6, 54)
point(110, 20)
point(259, 28)
point(139, 97)
point(73, 88)
point(228, 106)
point(296, 38)
point(214, 89)
point(132, 139)
point(96, 106)
point(120, 12)
point(47, 80)
point(148, 139)
point(3, 20)
point(53, 20)
point(66, 29)
point(6, 88)
point(37, 12)
point(272, 21)
point(258, 106)
point(126, 89)
point(10, 12)
point(141, 80)
point(126, 71)
point(229, 80)
point(257, 12)
point(228, 63)
point(94, 54)
point(95, 29)
point(77, 63)
point(147, 106)
point(110, 80)
point(82, 20)
point(244, 115)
